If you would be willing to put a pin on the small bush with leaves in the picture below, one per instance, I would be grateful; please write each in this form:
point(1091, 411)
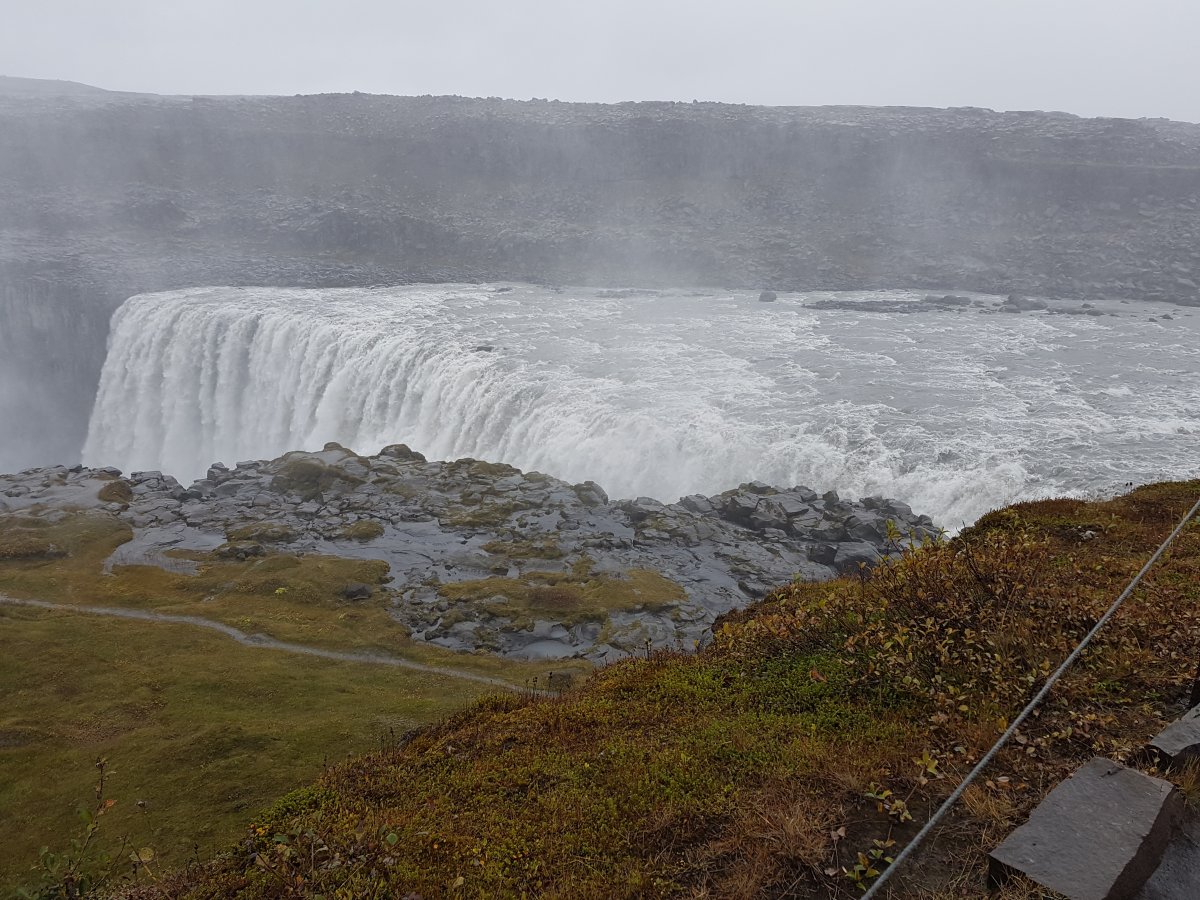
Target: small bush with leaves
point(87, 866)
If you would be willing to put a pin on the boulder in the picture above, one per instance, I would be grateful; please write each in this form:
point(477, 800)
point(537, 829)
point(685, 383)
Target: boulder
point(357, 591)
point(1179, 741)
point(792, 505)
point(590, 494)
point(768, 515)
point(401, 451)
point(852, 555)
point(758, 487)
point(767, 297)
point(739, 506)
point(865, 527)
point(699, 504)
point(1024, 304)
point(1097, 836)
point(824, 554)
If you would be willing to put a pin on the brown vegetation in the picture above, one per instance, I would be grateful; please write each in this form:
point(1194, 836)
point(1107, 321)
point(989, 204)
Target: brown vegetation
point(792, 756)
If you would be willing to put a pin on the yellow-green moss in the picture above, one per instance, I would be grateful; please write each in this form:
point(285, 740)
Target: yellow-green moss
point(362, 530)
point(566, 597)
point(266, 532)
point(766, 764)
point(309, 477)
point(546, 548)
point(116, 492)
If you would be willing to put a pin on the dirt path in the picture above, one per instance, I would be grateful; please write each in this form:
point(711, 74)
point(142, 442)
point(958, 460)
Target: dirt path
point(258, 640)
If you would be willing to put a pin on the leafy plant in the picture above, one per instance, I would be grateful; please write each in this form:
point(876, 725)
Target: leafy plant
point(86, 867)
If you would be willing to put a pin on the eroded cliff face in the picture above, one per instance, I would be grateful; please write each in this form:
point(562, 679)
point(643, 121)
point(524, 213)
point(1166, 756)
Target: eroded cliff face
point(105, 195)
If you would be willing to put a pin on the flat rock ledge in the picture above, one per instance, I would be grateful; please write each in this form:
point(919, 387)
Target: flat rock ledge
point(440, 524)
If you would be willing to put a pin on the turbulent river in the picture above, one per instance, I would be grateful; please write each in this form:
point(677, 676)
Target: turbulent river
point(955, 411)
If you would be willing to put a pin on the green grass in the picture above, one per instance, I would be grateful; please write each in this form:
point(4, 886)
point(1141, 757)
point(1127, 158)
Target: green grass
point(362, 530)
point(291, 598)
point(824, 719)
point(546, 548)
point(269, 532)
point(204, 731)
point(568, 597)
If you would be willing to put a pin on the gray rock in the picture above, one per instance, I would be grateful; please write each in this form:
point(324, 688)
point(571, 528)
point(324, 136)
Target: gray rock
point(791, 505)
point(852, 555)
point(1178, 875)
point(824, 554)
point(739, 506)
point(1017, 303)
point(1097, 836)
point(438, 516)
point(357, 591)
point(768, 515)
point(1179, 741)
point(767, 297)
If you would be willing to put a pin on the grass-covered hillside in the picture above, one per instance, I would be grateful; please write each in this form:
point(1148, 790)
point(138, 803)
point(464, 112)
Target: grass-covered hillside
point(197, 732)
point(790, 758)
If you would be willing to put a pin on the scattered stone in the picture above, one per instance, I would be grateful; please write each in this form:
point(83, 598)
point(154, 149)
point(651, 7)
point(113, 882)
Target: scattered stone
point(767, 297)
point(1099, 835)
point(1179, 741)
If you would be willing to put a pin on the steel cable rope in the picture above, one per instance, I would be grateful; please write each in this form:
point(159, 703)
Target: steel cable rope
point(946, 806)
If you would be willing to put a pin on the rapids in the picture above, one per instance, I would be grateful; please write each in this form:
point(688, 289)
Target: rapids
point(663, 394)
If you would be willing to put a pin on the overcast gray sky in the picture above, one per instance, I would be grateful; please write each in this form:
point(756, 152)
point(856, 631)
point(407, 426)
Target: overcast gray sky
point(1092, 57)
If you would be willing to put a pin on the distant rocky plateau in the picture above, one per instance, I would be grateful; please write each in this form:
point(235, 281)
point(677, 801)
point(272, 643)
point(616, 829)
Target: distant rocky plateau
point(104, 195)
point(483, 556)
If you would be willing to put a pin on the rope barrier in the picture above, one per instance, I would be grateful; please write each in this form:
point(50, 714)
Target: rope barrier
point(912, 845)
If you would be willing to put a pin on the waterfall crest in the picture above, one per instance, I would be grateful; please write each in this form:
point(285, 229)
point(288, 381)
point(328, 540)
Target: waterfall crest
point(660, 394)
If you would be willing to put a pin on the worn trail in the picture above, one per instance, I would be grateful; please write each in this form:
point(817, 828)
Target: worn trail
point(259, 640)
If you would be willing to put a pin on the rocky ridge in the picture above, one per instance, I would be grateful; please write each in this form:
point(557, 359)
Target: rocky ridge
point(483, 556)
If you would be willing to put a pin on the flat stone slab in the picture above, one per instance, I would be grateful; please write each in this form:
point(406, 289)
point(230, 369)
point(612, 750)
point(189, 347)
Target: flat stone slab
point(1097, 836)
point(1181, 740)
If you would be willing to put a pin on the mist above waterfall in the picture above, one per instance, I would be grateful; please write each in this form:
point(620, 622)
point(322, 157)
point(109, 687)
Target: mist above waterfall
point(659, 393)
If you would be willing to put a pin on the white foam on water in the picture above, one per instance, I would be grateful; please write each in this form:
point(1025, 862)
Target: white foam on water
point(666, 394)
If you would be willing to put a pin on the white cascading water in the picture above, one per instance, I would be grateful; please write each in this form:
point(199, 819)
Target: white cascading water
point(659, 394)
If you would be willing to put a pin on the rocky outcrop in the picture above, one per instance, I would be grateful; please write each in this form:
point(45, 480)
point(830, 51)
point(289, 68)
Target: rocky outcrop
point(484, 556)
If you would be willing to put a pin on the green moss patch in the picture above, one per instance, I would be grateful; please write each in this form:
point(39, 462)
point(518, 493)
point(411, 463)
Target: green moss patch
point(362, 530)
point(264, 532)
point(118, 491)
point(571, 597)
point(546, 548)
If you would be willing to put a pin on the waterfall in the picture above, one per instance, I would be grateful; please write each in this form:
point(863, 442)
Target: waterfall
point(198, 376)
point(661, 394)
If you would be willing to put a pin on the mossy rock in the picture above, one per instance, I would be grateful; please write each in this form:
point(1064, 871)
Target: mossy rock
point(362, 530)
point(264, 532)
point(118, 491)
point(546, 548)
point(569, 598)
point(309, 477)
